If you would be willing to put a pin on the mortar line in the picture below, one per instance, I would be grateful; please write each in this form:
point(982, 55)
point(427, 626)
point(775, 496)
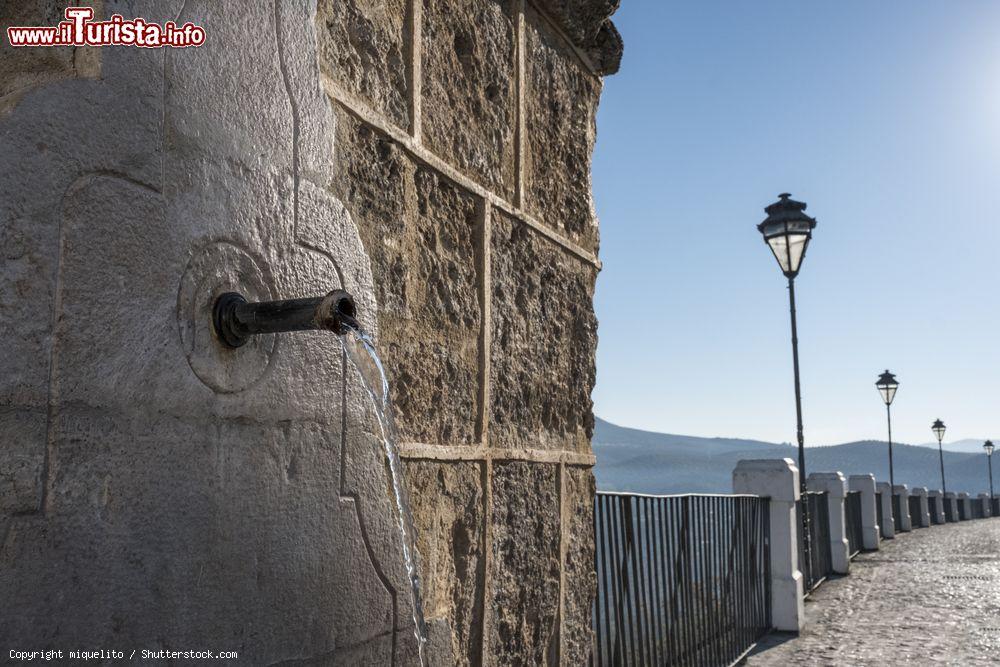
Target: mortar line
point(415, 70)
point(479, 452)
point(563, 523)
point(484, 396)
point(486, 616)
point(365, 113)
point(52, 402)
point(486, 321)
point(519, 198)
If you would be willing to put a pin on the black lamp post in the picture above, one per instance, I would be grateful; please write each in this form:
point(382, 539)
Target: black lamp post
point(787, 231)
point(887, 386)
point(938, 428)
point(988, 446)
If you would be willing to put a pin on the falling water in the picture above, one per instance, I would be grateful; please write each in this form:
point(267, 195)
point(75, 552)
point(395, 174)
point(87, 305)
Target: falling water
point(360, 349)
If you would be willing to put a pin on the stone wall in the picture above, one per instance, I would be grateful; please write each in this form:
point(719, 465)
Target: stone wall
point(464, 136)
point(159, 491)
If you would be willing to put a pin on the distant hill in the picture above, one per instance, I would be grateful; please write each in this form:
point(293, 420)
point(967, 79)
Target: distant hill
point(648, 462)
point(964, 446)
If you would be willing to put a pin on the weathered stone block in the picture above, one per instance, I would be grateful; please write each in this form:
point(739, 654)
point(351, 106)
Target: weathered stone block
point(543, 343)
point(586, 23)
point(421, 232)
point(469, 88)
point(362, 47)
point(525, 557)
point(447, 503)
point(579, 577)
point(22, 459)
point(22, 69)
point(560, 114)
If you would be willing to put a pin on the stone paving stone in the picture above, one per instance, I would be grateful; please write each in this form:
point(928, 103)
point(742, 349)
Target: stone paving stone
point(931, 596)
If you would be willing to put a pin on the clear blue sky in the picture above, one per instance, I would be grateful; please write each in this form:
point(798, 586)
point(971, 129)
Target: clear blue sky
point(885, 118)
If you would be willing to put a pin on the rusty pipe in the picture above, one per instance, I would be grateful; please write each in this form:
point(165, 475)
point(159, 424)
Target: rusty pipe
point(235, 319)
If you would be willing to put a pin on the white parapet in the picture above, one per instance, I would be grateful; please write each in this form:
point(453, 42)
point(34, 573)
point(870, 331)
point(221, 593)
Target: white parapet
point(984, 499)
point(952, 501)
point(888, 527)
point(869, 514)
point(778, 480)
point(936, 499)
point(903, 492)
point(922, 520)
point(965, 506)
point(835, 486)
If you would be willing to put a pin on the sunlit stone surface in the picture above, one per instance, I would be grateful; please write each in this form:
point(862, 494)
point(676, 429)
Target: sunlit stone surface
point(928, 597)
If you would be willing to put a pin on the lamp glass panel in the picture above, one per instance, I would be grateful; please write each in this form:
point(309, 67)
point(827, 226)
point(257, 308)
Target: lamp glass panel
point(939, 432)
point(789, 249)
point(888, 392)
point(988, 448)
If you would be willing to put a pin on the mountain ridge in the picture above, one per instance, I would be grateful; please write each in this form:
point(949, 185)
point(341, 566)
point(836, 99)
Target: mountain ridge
point(650, 462)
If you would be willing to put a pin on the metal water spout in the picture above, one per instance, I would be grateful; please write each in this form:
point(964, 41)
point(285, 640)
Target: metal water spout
point(236, 320)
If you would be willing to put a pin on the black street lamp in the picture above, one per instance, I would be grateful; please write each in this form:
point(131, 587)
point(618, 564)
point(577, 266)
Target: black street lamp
point(887, 386)
point(787, 231)
point(988, 446)
point(938, 428)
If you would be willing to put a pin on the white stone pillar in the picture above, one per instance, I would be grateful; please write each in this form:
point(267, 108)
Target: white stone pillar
point(835, 486)
point(923, 520)
point(778, 479)
point(938, 498)
point(888, 527)
point(903, 492)
point(965, 505)
point(869, 515)
point(952, 501)
point(984, 499)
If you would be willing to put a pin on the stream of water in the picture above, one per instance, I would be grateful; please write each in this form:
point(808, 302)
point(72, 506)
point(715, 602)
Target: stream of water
point(360, 349)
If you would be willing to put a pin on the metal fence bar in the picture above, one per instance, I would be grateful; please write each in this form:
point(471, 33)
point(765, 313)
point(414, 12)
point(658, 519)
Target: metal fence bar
point(852, 515)
point(878, 509)
point(820, 558)
point(914, 503)
point(977, 509)
point(681, 580)
point(932, 507)
point(897, 512)
point(805, 565)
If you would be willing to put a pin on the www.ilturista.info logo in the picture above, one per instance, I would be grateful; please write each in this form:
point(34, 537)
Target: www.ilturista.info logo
point(79, 30)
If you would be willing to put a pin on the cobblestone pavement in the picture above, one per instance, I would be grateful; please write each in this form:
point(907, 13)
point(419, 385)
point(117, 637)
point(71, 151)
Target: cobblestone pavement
point(928, 597)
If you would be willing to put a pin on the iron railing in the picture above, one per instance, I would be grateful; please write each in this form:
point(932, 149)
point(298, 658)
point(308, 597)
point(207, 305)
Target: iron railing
point(915, 520)
point(852, 516)
point(949, 514)
point(681, 580)
point(935, 507)
point(897, 512)
point(963, 511)
point(977, 509)
point(878, 509)
point(818, 565)
point(996, 506)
